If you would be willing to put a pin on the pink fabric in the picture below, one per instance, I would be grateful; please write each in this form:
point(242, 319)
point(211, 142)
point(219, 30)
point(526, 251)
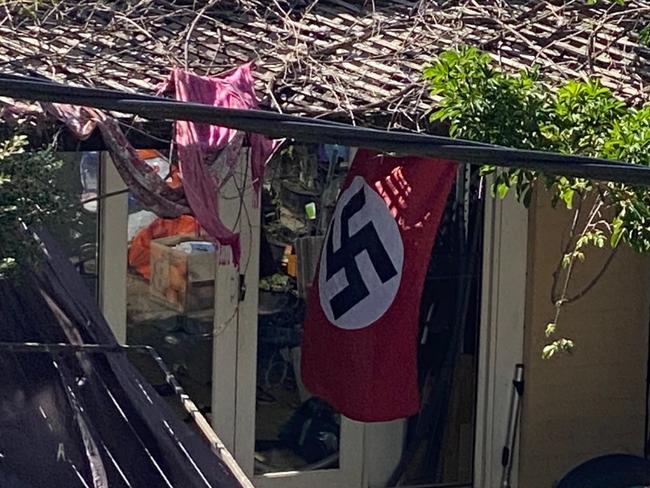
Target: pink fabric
point(203, 149)
point(199, 144)
point(147, 186)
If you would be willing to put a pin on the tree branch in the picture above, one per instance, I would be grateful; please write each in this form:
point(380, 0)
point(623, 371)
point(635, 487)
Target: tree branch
point(594, 280)
point(563, 299)
point(558, 268)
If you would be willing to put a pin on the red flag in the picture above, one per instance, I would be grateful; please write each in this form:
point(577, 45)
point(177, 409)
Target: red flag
point(359, 349)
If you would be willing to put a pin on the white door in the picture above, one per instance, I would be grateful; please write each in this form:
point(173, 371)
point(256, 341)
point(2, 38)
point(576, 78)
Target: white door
point(234, 345)
point(234, 341)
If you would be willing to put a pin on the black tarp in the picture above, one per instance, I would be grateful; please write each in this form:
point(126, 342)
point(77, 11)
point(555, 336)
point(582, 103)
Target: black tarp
point(82, 419)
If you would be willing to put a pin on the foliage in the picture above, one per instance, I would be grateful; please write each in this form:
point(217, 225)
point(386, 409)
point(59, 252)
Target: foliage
point(275, 282)
point(28, 197)
point(644, 36)
point(483, 103)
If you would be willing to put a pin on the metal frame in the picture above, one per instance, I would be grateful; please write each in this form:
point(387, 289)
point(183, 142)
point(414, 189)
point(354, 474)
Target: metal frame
point(218, 448)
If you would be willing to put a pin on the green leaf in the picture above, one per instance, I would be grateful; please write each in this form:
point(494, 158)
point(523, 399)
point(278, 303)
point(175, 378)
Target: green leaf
point(502, 190)
point(567, 197)
point(548, 351)
point(550, 329)
point(487, 169)
point(481, 102)
point(617, 232)
point(28, 196)
point(644, 36)
point(437, 115)
point(561, 345)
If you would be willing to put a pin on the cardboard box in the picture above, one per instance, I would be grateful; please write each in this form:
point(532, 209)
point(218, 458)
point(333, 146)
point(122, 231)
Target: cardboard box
point(183, 281)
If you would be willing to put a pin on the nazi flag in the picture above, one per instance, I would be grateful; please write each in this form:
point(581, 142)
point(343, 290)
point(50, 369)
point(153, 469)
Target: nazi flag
point(360, 341)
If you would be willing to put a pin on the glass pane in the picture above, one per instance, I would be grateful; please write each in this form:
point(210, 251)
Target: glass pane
point(170, 296)
point(79, 177)
point(293, 430)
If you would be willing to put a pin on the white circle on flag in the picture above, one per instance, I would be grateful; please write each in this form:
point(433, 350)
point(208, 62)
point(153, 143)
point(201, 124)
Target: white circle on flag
point(362, 259)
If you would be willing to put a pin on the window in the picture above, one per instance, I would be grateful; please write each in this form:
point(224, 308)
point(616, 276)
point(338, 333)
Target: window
point(79, 238)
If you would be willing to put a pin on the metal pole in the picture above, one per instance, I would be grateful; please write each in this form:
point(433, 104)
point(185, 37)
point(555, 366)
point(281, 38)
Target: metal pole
point(513, 422)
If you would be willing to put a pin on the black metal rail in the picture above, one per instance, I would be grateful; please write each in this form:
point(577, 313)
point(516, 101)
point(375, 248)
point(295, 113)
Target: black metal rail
point(278, 125)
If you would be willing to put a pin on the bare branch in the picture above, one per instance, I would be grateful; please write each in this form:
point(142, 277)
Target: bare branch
point(595, 279)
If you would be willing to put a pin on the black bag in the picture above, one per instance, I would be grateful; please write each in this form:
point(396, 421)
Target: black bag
point(312, 432)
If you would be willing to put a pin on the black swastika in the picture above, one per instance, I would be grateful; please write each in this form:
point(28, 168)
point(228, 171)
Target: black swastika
point(366, 239)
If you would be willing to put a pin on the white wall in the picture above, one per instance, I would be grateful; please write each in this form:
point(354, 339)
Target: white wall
point(591, 402)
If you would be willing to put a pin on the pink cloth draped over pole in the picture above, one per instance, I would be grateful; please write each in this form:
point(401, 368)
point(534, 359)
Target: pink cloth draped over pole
point(199, 144)
point(148, 187)
point(200, 147)
point(144, 183)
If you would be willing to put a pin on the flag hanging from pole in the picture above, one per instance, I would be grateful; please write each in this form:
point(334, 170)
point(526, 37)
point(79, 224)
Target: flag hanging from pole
point(359, 349)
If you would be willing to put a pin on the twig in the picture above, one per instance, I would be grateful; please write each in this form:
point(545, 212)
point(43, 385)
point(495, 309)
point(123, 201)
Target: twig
point(104, 196)
point(564, 299)
point(595, 279)
point(567, 247)
point(186, 50)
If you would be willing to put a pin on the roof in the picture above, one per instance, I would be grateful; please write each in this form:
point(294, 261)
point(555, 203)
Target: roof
point(353, 59)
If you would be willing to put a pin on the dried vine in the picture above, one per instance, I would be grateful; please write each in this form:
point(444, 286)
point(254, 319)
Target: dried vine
point(325, 58)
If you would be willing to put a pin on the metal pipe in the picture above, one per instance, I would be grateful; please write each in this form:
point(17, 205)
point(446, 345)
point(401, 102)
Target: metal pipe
point(320, 131)
point(513, 421)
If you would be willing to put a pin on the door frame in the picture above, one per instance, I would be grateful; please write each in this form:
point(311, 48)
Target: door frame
point(235, 325)
point(113, 246)
point(501, 341)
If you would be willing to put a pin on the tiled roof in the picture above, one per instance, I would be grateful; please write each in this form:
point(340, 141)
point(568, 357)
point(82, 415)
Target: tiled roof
point(347, 58)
